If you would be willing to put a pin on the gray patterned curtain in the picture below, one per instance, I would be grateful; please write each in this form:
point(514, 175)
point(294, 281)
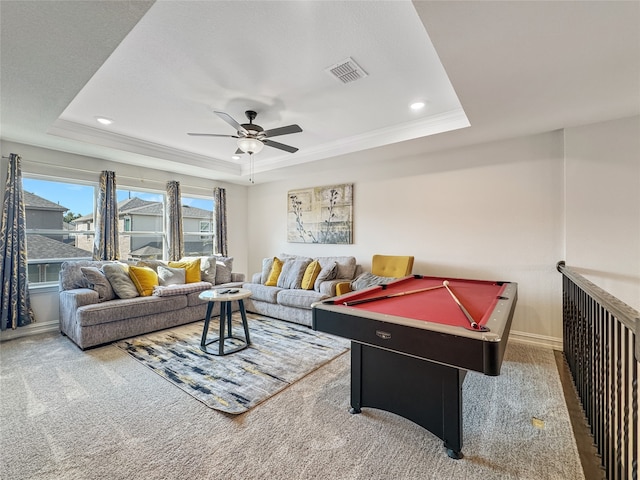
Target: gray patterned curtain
point(174, 221)
point(220, 204)
point(105, 245)
point(14, 302)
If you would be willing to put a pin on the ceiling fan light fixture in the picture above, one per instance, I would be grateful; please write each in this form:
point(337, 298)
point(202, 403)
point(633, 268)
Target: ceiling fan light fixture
point(250, 145)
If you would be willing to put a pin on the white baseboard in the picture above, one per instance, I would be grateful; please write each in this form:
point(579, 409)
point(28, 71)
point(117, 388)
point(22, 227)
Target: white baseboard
point(32, 329)
point(53, 326)
point(535, 339)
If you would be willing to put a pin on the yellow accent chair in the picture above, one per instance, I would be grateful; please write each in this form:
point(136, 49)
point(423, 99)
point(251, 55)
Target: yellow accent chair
point(396, 266)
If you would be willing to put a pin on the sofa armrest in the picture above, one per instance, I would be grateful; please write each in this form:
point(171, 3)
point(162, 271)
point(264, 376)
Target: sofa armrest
point(328, 287)
point(78, 297)
point(343, 287)
point(69, 302)
point(256, 277)
point(237, 277)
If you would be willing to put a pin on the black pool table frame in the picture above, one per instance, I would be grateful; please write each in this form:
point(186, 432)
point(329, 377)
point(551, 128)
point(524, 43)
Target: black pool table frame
point(416, 369)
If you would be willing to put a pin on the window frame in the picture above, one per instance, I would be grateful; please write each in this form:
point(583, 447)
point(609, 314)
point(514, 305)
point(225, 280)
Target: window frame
point(202, 235)
point(46, 232)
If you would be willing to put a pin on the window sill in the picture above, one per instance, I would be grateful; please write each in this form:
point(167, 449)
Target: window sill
point(28, 330)
point(43, 287)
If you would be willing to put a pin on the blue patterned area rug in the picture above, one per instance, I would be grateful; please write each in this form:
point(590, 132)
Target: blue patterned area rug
point(280, 354)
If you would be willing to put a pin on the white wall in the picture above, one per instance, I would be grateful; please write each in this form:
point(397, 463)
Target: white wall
point(603, 205)
point(491, 211)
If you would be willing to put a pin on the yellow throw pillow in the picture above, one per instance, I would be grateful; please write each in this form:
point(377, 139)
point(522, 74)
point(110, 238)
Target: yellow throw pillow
point(310, 275)
point(192, 269)
point(276, 268)
point(144, 278)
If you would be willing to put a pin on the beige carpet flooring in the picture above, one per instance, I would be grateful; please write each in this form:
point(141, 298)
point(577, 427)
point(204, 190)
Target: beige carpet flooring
point(68, 414)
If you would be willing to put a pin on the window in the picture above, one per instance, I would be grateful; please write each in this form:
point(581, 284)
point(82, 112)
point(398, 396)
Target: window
point(197, 225)
point(59, 218)
point(60, 224)
point(142, 220)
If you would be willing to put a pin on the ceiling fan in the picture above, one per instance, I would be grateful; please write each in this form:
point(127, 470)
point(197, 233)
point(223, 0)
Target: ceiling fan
point(252, 137)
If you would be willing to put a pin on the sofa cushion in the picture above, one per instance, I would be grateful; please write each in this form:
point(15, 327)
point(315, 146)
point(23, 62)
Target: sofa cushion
point(267, 263)
point(128, 309)
point(98, 281)
point(154, 264)
point(346, 266)
point(274, 273)
point(310, 275)
point(192, 269)
point(328, 272)
point(144, 278)
point(183, 289)
point(193, 298)
point(71, 276)
point(119, 279)
point(207, 267)
point(264, 293)
point(171, 276)
point(292, 273)
point(224, 266)
point(299, 298)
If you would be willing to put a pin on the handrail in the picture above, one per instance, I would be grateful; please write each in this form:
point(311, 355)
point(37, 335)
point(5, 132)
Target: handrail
point(627, 315)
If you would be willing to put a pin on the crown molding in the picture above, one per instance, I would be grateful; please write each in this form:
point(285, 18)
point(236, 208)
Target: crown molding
point(97, 136)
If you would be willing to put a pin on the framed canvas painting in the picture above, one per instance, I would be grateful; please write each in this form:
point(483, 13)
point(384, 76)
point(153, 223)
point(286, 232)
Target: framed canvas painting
point(320, 214)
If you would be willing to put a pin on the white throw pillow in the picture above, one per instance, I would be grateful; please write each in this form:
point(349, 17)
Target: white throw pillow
point(171, 276)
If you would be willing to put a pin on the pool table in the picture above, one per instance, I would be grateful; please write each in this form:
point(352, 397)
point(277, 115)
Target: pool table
point(413, 341)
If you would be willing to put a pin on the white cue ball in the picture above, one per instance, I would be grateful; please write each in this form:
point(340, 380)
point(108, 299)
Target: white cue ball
point(445, 283)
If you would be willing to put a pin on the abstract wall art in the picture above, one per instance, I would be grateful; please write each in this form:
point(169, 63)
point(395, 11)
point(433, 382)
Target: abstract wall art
point(320, 214)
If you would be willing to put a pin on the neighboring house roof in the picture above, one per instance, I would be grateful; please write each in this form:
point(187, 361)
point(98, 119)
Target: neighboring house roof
point(137, 206)
point(195, 212)
point(31, 200)
point(154, 248)
point(147, 250)
point(39, 246)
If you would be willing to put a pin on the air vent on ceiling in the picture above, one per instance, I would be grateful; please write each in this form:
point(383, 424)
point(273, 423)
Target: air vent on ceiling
point(347, 71)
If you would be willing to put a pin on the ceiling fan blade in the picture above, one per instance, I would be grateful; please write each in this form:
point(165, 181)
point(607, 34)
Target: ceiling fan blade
point(211, 135)
point(274, 132)
point(281, 146)
point(229, 119)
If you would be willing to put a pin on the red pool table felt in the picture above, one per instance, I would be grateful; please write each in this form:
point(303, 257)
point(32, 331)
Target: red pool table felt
point(479, 297)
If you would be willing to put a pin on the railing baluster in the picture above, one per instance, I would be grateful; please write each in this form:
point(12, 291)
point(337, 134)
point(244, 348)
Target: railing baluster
point(599, 344)
point(635, 440)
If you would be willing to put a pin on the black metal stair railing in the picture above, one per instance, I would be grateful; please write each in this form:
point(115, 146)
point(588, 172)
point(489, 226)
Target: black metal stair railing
point(600, 347)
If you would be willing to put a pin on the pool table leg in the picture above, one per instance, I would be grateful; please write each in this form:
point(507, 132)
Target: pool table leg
point(452, 411)
point(356, 378)
point(427, 393)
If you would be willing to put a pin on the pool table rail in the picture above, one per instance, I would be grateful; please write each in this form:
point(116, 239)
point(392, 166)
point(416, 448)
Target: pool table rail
point(450, 345)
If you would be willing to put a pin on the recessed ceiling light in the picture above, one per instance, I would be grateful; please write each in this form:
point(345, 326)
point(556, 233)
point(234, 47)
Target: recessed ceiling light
point(104, 120)
point(236, 157)
point(417, 106)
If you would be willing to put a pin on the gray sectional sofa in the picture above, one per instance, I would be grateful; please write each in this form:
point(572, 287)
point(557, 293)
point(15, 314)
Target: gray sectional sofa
point(88, 320)
point(287, 300)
